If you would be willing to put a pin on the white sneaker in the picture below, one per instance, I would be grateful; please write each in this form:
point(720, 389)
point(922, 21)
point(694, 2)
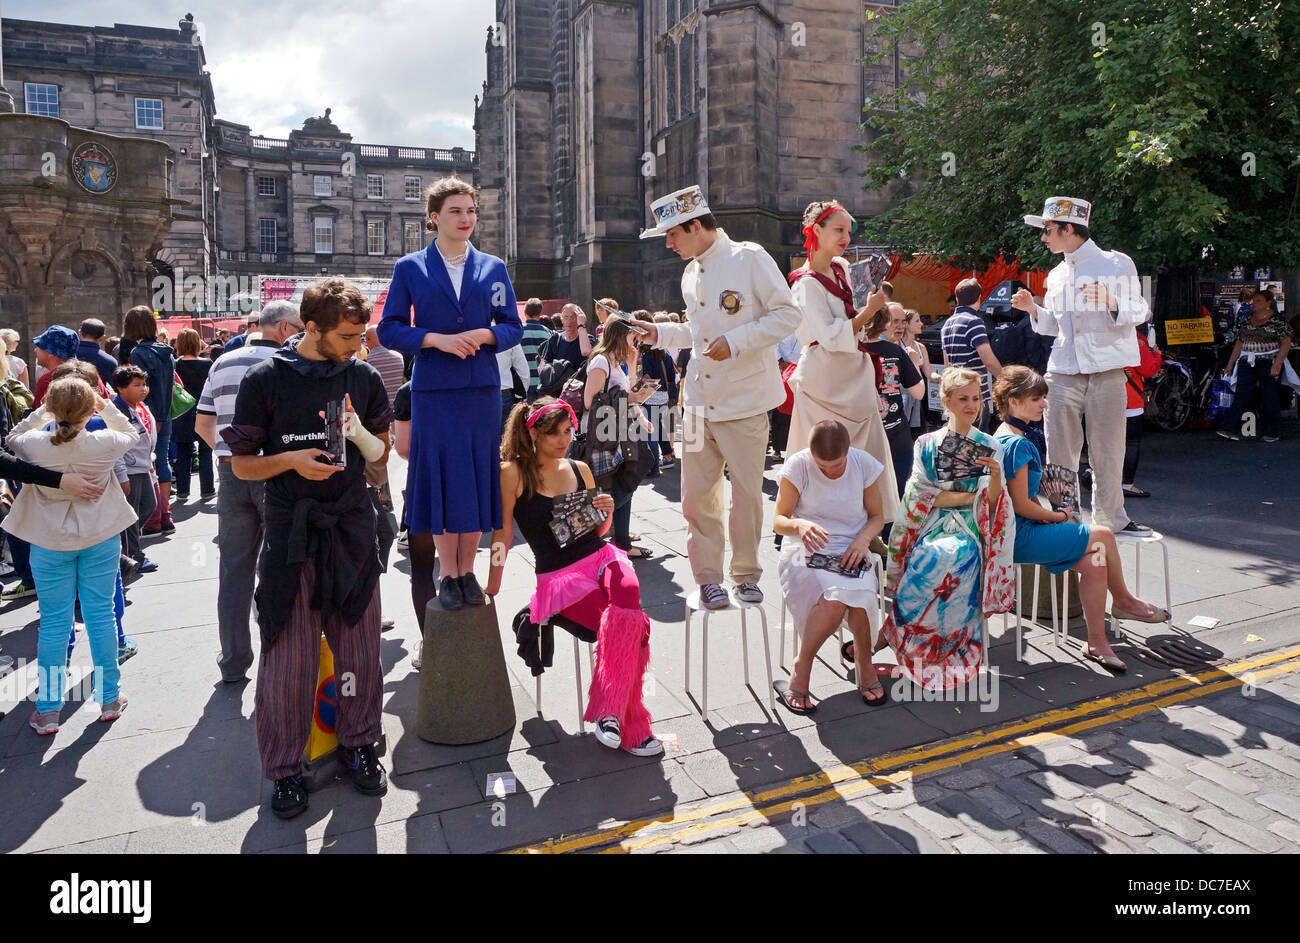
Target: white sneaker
point(607, 732)
point(417, 659)
point(649, 747)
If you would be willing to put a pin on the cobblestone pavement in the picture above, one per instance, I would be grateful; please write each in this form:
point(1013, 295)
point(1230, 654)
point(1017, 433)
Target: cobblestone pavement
point(1061, 756)
point(1213, 773)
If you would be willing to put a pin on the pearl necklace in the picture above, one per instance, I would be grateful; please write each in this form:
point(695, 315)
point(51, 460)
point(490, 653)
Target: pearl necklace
point(454, 261)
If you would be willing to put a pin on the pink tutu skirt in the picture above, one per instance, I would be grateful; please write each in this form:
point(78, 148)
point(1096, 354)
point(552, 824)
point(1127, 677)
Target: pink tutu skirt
point(560, 589)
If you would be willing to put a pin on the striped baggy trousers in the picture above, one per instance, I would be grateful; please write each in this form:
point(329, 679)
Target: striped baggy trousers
point(286, 681)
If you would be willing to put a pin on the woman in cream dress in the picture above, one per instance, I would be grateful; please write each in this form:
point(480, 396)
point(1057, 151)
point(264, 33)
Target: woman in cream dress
point(835, 379)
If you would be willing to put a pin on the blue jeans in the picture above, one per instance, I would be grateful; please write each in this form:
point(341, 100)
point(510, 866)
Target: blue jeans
point(162, 451)
point(1249, 378)
point(63, 575)
point(622, 525)
point(119, 610)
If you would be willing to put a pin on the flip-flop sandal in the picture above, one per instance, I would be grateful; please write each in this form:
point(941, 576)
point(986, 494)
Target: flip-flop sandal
point(884, 695)
point(1136, 493)
point(785, 692)
point(1110, 662)
point(641, 554)
point(634, 537)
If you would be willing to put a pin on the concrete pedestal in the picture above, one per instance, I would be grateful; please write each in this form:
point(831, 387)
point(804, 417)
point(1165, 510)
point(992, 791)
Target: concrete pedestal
point(464, 687)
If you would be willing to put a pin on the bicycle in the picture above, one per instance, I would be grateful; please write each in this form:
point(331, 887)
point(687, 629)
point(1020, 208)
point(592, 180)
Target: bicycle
point(1179, 392)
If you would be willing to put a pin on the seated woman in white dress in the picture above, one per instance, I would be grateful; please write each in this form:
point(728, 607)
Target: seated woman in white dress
point(831, 500)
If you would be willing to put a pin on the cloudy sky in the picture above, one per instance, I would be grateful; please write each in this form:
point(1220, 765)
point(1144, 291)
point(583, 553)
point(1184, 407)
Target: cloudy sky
point(391, 74)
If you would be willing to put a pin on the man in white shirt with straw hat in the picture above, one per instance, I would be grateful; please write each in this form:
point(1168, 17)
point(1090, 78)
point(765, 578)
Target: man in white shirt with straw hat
point(1092, 305)
point(739, 308)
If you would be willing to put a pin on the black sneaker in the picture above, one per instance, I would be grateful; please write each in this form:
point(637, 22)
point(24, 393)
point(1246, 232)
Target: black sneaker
point(470, 591)
point(1134, 529)
point(289, 798)
point(367, 772)
point(449, 593)
point(168, 528)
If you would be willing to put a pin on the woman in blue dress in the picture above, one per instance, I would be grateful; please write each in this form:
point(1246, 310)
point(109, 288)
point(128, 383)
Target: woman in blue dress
point(452, 308)
point(1050, 538)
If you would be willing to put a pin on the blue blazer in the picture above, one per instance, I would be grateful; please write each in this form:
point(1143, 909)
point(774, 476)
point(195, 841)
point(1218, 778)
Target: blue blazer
point(487, 299)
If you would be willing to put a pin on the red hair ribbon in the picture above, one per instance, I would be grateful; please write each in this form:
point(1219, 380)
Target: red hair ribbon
point(809, 236)
point(550, 408)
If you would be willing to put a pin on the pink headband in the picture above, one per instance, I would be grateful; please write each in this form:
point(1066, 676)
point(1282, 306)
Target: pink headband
point(550, 408)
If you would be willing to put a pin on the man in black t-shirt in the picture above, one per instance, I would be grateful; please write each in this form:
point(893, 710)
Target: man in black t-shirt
point(319, 567)
point(898, 377)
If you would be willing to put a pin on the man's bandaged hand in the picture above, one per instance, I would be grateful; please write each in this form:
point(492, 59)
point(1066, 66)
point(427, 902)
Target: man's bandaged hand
point(368, 444)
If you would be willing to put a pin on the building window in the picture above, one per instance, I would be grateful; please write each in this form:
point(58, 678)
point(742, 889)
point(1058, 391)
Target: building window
point(324, 185)
point(266, 236)
point(266, 186)
point(412, 236)
point(412, 188)
point(678, 75)
point(149, 114)
point(374, 186)
point(41, 99)
point(374, 237)
point(322, 228)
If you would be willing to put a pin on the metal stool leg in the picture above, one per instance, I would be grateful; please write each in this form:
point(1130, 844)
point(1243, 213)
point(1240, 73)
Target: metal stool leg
point(1056, 625)
point(577, 675)
point(686, 680)
point(1065, 605)
point(538, 699)
point(704, 680)
point(744, 644)
point(1169, 599)
point(767, 655)
point(1033, 610)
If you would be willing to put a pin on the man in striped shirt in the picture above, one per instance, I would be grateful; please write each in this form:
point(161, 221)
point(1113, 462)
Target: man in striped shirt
point(966, 344)
point(536, 334)
point(389, 363)
point(239, 502)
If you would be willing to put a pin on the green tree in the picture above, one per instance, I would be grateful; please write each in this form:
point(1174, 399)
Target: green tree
point(1178, 120)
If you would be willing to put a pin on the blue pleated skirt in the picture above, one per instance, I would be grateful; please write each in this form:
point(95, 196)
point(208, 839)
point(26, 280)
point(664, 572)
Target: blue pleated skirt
point(453, 476)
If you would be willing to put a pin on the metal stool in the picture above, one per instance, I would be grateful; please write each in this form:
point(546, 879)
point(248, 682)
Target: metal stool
point(1060, 619)
point(1157, 538)
point(693, 605)
point(577, 674)
point(839, 631)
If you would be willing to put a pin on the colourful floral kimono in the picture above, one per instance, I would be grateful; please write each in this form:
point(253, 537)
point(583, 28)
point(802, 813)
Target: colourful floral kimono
point(948, 567)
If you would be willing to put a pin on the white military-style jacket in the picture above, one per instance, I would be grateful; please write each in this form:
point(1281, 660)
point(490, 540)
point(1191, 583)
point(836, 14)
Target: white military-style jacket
point(733, 290)
point(1089, 339)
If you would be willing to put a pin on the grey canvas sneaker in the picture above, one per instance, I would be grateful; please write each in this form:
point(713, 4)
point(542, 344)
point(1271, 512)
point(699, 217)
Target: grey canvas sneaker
point(749, 592)
point(713, 596)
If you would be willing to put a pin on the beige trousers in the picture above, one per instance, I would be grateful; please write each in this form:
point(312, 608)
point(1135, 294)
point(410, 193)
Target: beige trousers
point(707, 445)
point(1100, 400)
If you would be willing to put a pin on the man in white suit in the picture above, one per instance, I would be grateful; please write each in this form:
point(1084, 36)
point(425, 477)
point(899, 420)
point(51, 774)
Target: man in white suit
point(739, 308)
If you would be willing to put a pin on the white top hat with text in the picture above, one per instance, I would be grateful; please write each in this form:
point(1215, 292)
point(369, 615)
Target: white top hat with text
point(1062, 209)
point(674, 209)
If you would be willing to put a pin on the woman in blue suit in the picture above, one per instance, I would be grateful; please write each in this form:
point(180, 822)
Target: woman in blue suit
point(452, 308)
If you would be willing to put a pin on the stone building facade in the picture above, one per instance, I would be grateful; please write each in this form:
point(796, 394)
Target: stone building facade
point(135, 81)
point(592, 108)
point(317, 202)
point(81, 215)
point(243, 204)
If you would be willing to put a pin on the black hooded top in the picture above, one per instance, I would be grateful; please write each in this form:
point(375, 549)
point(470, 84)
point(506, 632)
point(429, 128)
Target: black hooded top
point(331, 521)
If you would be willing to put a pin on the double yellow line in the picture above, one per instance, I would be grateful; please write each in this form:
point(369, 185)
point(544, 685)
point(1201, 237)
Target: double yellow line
point(841, 782)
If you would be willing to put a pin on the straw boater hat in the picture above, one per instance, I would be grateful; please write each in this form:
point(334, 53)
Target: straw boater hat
point(1062, 209)
point(674, 209)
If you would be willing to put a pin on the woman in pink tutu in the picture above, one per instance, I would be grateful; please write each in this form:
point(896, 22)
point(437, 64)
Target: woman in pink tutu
point(585, 579)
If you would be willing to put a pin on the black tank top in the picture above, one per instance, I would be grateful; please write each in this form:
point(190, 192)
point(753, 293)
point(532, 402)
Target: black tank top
point(534, 519)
